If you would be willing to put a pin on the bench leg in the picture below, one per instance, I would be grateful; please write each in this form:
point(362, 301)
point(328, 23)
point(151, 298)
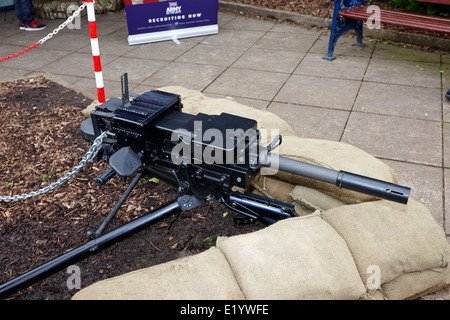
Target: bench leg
point(359, 34)
point(334, 36)
point(331, 46)
point(338, 28)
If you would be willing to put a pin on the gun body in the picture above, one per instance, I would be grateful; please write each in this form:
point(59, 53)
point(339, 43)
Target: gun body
point(156, 130)
point(184, 146)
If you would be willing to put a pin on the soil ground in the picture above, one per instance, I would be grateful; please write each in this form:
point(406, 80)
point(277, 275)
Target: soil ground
point(40, 141)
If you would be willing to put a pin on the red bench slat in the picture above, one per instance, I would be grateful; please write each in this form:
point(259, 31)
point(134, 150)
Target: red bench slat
point(398, 18)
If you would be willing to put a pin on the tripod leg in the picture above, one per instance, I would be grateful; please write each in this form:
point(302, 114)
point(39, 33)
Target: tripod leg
point(117, 206)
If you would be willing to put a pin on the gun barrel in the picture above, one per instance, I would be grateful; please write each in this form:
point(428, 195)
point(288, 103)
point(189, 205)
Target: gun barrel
point(342, 179)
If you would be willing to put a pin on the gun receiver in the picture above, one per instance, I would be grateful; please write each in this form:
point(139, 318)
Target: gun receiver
point(205, 156)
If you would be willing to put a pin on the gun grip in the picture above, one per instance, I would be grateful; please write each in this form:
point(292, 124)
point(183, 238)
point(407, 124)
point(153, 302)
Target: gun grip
point(106, 176)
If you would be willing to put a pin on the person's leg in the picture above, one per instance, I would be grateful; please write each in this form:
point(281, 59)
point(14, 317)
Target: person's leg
point(25, 14)
point(24, 11)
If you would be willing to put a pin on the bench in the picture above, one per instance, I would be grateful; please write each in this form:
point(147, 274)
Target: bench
point(351, 15)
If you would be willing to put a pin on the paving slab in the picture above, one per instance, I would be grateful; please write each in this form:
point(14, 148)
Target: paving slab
point(211, 55)
point(225, 17)
point(136, 69)
point(319, 92)
point(414, 73)
point(312, 122)
point(398, 100)
point(110, 24)
point(344, 48)
point(426, 185)
point(285, 27)
point(445, 72)
point(36, 59)
point(64, 40)
point(164, 50)
point(9, 31)
point(350, 68)
point(76, 64)
point(445, 58)
point(269, 60)
point(289, 41)
point(446, 139)
point(387, 51)
point(247, 83)
point(231, 38)
point(109, 45)
point(247, 23)
point(402, 139)
point(254, 103)
point(447, 200)
point(9, 74)
point(189, 75)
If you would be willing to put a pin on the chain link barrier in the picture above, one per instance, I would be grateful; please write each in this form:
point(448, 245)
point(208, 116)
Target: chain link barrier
point(88, 157)
point(75, 14)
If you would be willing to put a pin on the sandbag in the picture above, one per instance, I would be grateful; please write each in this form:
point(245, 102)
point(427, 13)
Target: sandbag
point(206, 275)
point(273, 188)
point(307, 200)
point(297, 258)
point(402, 242)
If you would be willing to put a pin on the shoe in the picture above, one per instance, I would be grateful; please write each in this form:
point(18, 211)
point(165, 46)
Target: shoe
point(448, 94)
point(33, 26)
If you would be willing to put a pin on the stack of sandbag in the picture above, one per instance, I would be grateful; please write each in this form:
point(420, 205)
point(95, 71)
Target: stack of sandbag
point(343, 244)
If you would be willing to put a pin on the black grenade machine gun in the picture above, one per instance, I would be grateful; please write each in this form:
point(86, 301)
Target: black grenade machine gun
point(150, 135)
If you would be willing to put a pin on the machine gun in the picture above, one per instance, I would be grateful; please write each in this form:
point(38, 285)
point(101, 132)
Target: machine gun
point(150, 135)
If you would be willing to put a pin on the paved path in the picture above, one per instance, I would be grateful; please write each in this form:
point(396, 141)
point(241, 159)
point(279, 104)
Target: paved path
point(384, 99)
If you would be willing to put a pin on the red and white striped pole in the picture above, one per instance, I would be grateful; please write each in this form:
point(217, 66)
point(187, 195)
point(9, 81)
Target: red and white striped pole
point(95, 51)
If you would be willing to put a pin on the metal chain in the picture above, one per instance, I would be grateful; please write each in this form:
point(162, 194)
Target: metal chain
point(76, 13)
point(88, 157)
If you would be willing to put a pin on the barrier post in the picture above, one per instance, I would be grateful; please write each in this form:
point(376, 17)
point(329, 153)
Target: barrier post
point(95, 51)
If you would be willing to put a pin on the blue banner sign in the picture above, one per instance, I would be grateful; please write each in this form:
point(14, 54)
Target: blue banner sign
point(170, 20)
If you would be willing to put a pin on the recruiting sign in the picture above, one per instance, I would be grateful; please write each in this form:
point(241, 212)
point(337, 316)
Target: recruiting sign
point(151, 21)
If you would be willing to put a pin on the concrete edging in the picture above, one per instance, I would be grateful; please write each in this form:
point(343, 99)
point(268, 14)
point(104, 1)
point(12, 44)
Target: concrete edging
point(385, 34)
